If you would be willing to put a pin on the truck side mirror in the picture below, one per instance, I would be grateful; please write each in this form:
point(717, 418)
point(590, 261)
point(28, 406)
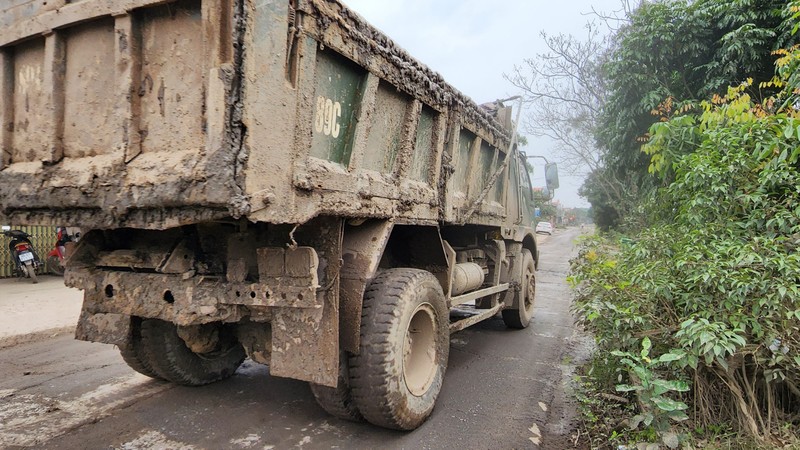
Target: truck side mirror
point(551, 176)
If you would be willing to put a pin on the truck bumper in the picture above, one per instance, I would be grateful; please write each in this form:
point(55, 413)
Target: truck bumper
point(303, 316)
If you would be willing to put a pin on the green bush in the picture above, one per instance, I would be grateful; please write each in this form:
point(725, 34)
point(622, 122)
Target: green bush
point(711, 285)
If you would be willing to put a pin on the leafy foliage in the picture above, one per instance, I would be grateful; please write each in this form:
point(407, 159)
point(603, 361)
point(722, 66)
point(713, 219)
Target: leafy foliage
point(659, 409)
point(672, 53)
point(713, 285)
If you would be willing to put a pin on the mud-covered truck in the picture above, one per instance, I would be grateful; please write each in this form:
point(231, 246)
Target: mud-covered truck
point(272, 179)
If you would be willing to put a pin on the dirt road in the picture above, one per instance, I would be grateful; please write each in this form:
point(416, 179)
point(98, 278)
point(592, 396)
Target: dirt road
point(503, 389)
point(29, 311)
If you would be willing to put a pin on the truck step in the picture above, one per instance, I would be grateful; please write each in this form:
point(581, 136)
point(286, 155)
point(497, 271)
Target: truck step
point(473, 319)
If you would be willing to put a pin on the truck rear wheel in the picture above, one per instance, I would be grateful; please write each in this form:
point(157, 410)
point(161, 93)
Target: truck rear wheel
point(520, 316)
point(133, 353)
point(172, 360)
point(338, 401)
point(405, 343)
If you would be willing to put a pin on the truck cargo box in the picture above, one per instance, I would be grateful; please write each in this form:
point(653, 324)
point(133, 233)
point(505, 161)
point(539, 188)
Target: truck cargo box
point(153, 113)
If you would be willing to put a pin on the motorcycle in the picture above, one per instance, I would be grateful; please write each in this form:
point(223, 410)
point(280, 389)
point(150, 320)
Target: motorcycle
point(25, 258)
point(56, 258)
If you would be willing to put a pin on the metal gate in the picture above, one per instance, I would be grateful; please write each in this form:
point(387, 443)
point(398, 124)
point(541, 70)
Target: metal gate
point(43, 240)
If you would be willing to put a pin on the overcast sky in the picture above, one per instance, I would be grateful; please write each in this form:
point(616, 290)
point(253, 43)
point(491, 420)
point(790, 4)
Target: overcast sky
point(472, 43)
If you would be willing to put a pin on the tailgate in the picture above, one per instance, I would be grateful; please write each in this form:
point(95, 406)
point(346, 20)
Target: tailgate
point(117, 112)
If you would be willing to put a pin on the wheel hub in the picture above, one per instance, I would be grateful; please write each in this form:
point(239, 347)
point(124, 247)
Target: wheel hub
point(530, 291)
point(419, 350)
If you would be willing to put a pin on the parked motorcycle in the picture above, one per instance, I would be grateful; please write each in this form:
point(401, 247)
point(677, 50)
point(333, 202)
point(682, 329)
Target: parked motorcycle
point(56, 258)
point(23, 254)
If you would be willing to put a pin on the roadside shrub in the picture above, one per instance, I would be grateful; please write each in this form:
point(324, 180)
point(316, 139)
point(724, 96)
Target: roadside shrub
point(706, 298)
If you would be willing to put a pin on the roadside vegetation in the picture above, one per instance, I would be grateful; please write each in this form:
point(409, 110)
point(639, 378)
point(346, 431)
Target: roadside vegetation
point(692, 289)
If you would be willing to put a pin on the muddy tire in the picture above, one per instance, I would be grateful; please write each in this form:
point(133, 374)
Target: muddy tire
point(405, 343)
point(520, 316)
point(133, 352)
point(172, 360)
point(55, 265)
point(338, 401)
point(30, 272)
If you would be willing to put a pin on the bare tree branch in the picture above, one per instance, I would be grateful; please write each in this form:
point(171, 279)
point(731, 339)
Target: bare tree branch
point(564, 93)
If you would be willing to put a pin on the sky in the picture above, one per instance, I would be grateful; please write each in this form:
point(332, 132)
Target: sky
point(472, 43)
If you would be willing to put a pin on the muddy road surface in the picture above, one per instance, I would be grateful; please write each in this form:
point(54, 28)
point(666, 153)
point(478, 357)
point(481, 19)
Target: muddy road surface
point(503, 389)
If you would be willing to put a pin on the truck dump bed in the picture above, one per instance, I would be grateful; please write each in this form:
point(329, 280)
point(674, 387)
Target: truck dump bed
point(154, 114)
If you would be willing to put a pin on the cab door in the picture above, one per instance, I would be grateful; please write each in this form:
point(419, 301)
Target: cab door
point(520, 195)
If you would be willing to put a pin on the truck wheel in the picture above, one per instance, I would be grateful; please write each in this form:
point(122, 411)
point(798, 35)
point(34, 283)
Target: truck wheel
point(405, 343)
point(31, 272)
point(133, 353)
point(338, 401)
point(520, 317)
point(172, 360)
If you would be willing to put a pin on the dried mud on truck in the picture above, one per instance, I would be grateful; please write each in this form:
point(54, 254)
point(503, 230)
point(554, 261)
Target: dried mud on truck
point(266, 179)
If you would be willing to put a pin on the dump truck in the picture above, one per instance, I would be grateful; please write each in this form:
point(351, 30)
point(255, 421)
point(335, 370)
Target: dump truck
point(272, 179)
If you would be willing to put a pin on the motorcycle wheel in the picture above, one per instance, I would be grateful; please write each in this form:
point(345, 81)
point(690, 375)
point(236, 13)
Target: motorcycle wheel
point(55, 266)
point(30, 272)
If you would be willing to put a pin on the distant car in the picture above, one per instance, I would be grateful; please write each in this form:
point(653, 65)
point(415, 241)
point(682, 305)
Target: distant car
point(544, 227)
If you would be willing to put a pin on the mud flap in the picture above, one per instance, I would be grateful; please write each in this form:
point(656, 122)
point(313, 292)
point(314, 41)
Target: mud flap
point(107, 328)
point(305, 341)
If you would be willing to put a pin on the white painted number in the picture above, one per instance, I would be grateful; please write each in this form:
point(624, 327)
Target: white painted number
point(326, 120)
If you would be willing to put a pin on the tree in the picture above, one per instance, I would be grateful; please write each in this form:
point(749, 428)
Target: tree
point(565, 91)
point(597, 98)
point(565, 95)
point(546, 207)
point(671, 53)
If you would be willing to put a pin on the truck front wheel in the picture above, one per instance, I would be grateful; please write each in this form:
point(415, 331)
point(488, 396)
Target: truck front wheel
point(520, 316)
point(405, 343)
point(172, 360)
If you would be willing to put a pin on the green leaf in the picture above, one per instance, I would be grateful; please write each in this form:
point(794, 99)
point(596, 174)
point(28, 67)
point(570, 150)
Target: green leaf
point(678, 416)
point(636, 421)
point(627, 388)
point(670, 439)
point(672, 385)
point(667, 405)
point(671, 356)
point(646, 345)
